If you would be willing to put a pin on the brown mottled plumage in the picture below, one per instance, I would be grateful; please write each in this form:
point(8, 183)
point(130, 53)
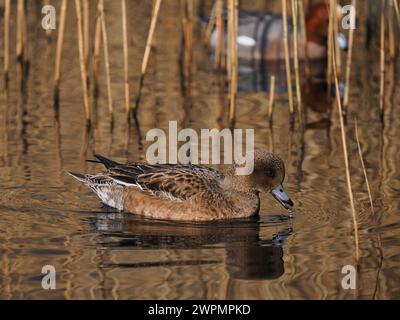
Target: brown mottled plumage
point(188, 192)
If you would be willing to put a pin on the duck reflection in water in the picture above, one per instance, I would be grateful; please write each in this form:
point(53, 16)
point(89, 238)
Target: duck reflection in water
point(248, 255)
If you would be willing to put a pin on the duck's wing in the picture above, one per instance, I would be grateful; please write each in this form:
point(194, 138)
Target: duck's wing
point(176, 182)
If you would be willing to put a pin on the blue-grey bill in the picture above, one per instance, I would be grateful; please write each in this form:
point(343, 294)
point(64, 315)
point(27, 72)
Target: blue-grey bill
point(280, 194)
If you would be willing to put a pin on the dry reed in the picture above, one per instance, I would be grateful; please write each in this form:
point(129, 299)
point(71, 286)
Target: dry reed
point(106, 58)
point(211, 23)
point(335, 39)
point(147, 51)
point(392, 44)
point(219, 54)
point(187, 27)
point(271, 101)
point(233, 29)
point(96, 54)
point(82, 61)
point(20, 29)
point(382, 60)
point(346, 158)
point(86, 30)
point(396, 9)
point(363, 166)
point(348, 64)
point(303, 26)
point(330, 48)
point(126, 61)
point(60, 42)
point(6, 38)
point(287, 56)
point(296, 56)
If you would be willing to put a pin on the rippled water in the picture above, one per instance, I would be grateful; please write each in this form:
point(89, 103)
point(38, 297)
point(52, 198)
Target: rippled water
point(47, 218)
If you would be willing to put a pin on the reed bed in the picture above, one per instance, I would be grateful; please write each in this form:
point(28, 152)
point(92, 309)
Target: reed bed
point(82, 62)
point(146, 55)
point(233, 65)
point(60, 42)
point(126, 60)
point(6, 62)
point(348, 64)
point(363, 166)
point(346, 157)
point(295, 14)
point(287, 57)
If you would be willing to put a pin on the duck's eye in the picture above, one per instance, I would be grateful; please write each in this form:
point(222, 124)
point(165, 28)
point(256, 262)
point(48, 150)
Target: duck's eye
point(271, 173)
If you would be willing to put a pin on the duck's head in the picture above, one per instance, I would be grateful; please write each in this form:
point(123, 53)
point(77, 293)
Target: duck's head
point(268, 176)
point(317, 25)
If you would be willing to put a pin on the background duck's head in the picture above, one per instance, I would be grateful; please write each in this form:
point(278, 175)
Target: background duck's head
point(268, 176)
point(317, 25)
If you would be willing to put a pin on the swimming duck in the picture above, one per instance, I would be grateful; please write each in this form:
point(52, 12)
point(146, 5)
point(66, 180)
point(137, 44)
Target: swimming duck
point(188, 192)
point(260, 35)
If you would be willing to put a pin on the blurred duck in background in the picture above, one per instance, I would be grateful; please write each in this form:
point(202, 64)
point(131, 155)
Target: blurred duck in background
point(260, 35)
point(261, 46)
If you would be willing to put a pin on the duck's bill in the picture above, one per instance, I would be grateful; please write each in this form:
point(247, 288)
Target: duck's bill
point(280, 194)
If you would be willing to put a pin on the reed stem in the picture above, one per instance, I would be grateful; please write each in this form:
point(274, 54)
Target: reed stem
point(346, 158)
point(82, 61)
point(106, 58)
point(271, 98)
point(303, 27)
point(6, 38)
point(60, 42)
point(233, 17)
point(86, 30)
point(219, 53)
point(392, 44)
point(296, 57)
point(330, 47)
point(348, 63)
point(20, 29)
point(396, 9)
point(382, 60)
point(363, 166)
point(211, 23)
point(147, 51)
point(287, 56)
point(126, 61)
point(96, 54)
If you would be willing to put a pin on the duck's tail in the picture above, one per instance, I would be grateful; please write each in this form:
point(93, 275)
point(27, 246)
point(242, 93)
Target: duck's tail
point(79, 177)
point(106, 189)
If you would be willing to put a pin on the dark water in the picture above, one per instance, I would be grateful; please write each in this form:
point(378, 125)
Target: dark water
point(46, 217)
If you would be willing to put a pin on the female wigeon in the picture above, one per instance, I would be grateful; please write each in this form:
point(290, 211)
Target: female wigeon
point(260, 35)
point(188, 192)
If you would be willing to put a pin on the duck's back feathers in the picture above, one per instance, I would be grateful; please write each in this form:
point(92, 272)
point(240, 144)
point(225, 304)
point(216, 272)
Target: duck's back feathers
point(177, 182)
